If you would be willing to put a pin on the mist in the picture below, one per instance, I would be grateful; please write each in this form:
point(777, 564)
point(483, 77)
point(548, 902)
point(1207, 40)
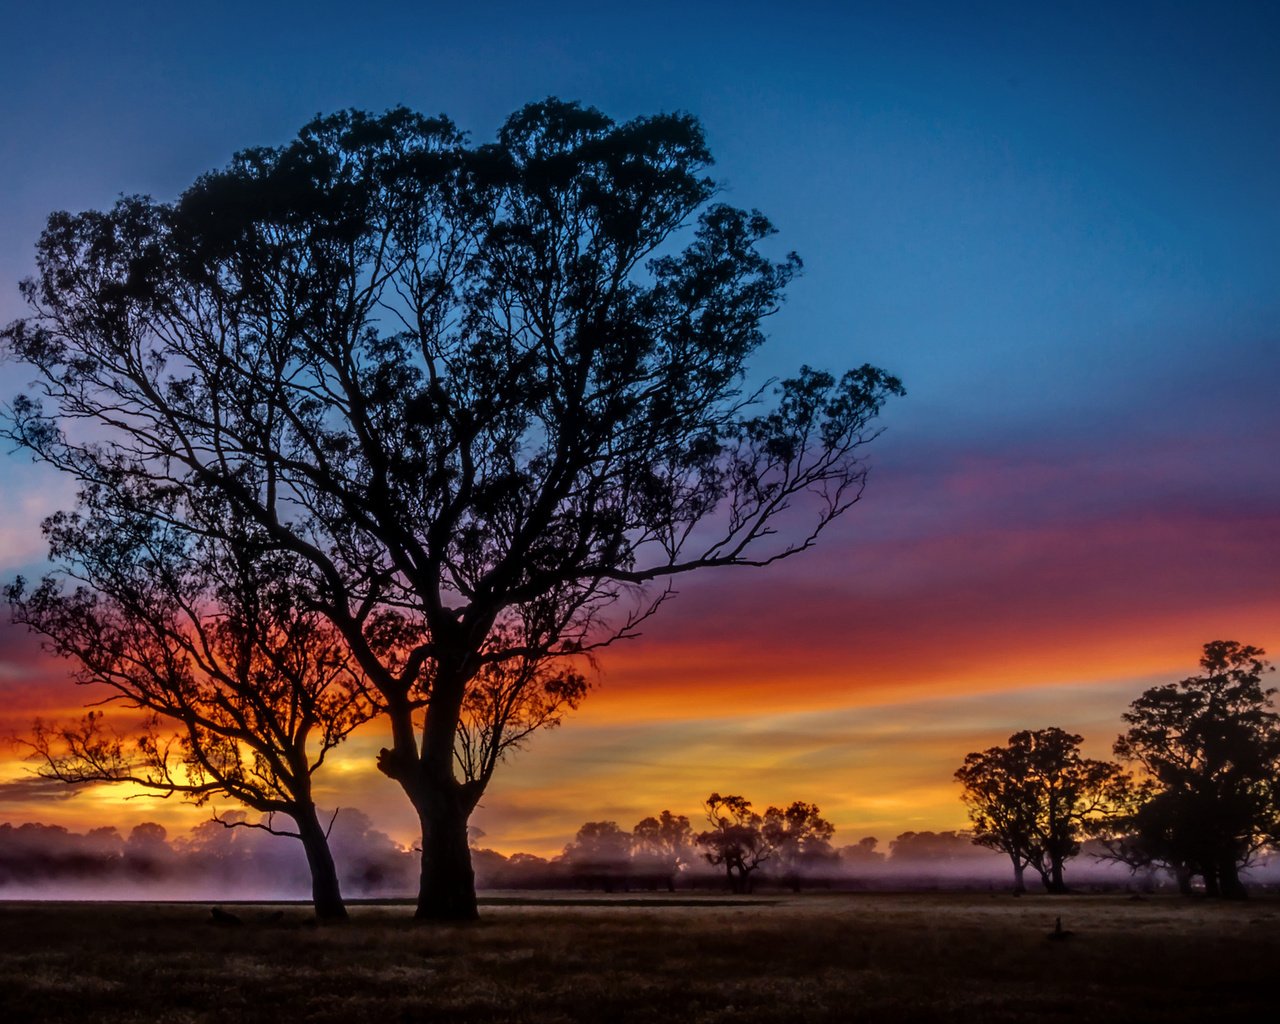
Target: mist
point(212, 861)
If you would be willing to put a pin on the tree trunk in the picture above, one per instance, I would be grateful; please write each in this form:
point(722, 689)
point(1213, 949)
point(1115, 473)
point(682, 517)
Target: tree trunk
point(1210, 873)
point(326, 894)
point(1229, 885)
point(1019, 883)
point(1057, 884)
point(1183, 875)
point(448, 886)
point(447, 889)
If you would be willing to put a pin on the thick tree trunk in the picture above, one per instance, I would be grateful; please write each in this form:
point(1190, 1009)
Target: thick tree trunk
point(1019, 883)
point(1210, 873)
point(1183, 875)
point(1229, 885)
point(1057, 884)
point(326, 894)
point(448, 886)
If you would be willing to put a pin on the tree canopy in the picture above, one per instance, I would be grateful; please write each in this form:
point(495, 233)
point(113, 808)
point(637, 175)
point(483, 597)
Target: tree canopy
point(1208, 749)
point(245, 692)
point(480, 395)
point(1032, 798)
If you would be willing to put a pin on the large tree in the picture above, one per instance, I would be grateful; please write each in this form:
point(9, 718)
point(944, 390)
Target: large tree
point(1208, 748)
point(1033, 798)
point(487, 394)
point(801, 840)
point(661, 847)
point(736, 840)
point(245, 693)
point(600, 854)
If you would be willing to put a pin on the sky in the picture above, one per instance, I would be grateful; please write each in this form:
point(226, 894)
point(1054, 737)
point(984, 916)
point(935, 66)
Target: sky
point(1059, 224)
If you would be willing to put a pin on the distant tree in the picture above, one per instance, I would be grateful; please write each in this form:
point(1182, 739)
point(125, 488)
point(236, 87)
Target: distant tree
point(600, 854)
point(490, 866)
point(662, 846)
point(369, 861)
point(735, 841)
point(862, 854)
point(932, 848)
point(481, 394)
point(246, 688)
point(147, 851)
point(800, 838)
point(32, 853)
point(1033, 798)
point(528, 869)
point(1208, 749)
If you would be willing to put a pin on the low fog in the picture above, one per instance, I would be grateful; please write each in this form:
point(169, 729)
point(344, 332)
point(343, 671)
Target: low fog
point(214, 862)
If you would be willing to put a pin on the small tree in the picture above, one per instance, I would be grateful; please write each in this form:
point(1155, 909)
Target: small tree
point(735, 841)
point(800, 838)
point(661, 847)
point(1209, 750)
point(1031, 800)
point(862, 854)
point(246, 691)
point(600, 854)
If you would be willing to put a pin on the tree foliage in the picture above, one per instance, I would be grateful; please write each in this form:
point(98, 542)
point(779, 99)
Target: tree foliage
point(479, 395)
point(735, 841)
point(662, 846)
point(1208, 750)
point(800, 838)
point(1032, 798)
point(245, 693)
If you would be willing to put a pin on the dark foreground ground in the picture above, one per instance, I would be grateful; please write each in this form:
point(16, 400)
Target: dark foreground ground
point(874, 957)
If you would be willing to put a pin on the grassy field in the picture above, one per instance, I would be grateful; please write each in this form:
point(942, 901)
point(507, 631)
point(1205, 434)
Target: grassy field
point(874, 957)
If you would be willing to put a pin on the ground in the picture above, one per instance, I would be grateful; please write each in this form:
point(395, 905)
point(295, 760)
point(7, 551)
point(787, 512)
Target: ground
point(849, 957)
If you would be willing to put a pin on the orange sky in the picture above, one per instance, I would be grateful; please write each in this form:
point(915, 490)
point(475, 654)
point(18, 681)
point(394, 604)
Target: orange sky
point(856, 677)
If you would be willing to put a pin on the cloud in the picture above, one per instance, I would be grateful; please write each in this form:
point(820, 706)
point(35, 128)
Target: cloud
point(33, 790)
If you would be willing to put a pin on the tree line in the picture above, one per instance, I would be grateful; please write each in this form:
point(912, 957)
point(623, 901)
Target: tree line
point(1195, 793)
point(228, 858)
point(737, 839)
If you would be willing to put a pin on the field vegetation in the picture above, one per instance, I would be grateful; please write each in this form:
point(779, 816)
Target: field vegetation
point(831, 957)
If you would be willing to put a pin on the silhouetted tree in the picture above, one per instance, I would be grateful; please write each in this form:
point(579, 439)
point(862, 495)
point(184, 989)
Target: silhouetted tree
point(932, 848)
point(1149, 830)
point(735, 841)
point(800, 838)
point(505, 703)
point(147, 851)
point(208, 632)
point(1032, 799)
point(600, 854)
point(482, 394)
point(662, 846)
point(862, 854)
point(1209, 750)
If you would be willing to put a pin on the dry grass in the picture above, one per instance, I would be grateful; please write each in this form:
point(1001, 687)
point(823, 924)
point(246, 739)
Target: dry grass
point(875, 957)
